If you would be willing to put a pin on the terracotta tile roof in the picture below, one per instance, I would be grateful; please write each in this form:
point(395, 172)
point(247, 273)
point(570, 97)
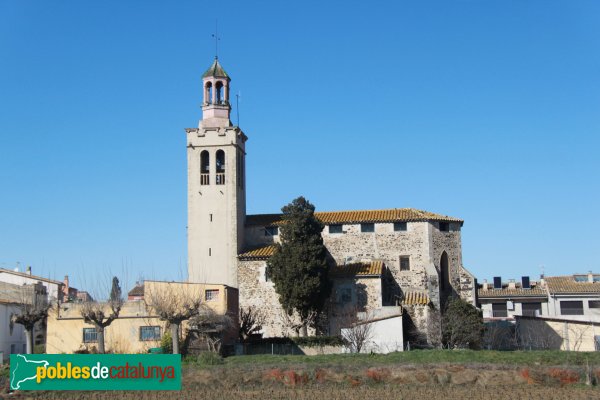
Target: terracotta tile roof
point(355, 269)
point(535, 291)
point(261, 253)
point(373, 268)
point(138, 290)
point(415, 298)
point(349, 217)
point(568, 284)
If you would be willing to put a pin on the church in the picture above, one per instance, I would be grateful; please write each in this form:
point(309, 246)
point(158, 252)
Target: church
point(396, 262)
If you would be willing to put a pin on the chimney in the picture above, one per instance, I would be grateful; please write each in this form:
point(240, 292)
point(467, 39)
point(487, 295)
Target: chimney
point(484, 285)
point(29, 270)
point(590, 277)
point(497, 282)
point(512, 284)
point(66, 287)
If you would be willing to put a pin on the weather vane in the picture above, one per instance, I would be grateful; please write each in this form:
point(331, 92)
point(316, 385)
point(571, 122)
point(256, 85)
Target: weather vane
point(217, 38)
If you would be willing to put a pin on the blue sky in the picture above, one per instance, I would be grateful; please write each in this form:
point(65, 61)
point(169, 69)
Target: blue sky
point(483, 110)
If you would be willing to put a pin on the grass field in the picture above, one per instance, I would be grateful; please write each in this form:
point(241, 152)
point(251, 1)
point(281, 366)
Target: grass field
point(523, 358)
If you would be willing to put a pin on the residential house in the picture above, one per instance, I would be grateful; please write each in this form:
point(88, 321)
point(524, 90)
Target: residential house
point(138, 328)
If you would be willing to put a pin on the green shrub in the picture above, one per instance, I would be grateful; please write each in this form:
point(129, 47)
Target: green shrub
point(209, 358)
point(39, 349)
point(462, 325)
point(166, 343)
point(319, 341)
point(308, 341)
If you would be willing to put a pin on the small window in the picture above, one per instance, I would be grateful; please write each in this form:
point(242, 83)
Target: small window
point(149, 333)
point(531, 309)
point(571, 307)
point(90, 335)
point(335, 229)
point(594, 304)
point(404, 263)
point(370, 227)
point(400, 227)
point(444, 227)
point(271, 231)
point(345, 295)
point(211, 294)
point(499, 310)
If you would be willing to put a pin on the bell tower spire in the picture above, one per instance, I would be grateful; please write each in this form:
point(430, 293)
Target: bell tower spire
point(216, 108)
point(216, 186)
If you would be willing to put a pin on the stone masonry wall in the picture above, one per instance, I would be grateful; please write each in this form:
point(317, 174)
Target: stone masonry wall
point(423, 243)
point(462, 281)
point(386, 245)
point(256, 292)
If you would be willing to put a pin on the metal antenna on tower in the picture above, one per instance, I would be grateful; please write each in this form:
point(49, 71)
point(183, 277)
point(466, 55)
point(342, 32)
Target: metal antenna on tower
point(217, 38)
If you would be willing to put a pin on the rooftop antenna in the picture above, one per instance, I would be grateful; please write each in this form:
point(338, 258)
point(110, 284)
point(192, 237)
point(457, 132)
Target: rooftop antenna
point(217, 38)
point(237, 106)
point(543, 275)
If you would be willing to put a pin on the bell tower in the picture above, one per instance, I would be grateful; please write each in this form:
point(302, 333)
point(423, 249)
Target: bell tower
point(216, 185)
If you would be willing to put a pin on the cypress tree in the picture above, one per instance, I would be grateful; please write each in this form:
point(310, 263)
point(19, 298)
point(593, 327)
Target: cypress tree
point(298, 267)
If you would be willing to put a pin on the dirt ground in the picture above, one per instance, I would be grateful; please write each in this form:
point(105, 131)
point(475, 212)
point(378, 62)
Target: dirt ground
point(439, 381)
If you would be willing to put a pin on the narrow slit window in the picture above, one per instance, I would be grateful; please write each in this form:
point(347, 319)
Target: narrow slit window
point(404, 263)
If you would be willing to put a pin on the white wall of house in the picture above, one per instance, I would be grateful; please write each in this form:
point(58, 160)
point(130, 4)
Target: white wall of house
point(11, 341)
point(517, 307)
point(589, 313)
point(385, 337)
point(52, 287)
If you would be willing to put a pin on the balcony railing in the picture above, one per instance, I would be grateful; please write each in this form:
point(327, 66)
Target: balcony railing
point(220, 179)
point(500, 314)
point(204, 179)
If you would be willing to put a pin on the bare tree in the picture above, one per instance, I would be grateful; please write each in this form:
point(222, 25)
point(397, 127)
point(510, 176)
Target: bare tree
point(576, 334)
point(212, 327)
point(298, 325)
point(358, 333)
point(33, 308)
point(173, 306)
point(251, 322)
point(102, 314)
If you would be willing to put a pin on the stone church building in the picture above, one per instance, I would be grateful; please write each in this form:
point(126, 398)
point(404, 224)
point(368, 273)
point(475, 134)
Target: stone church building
point(400, 261)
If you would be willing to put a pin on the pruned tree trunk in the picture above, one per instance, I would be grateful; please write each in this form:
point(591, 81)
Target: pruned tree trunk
point(304, 331)
point(100, 336)
point(29, 341)
point(175, 336)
